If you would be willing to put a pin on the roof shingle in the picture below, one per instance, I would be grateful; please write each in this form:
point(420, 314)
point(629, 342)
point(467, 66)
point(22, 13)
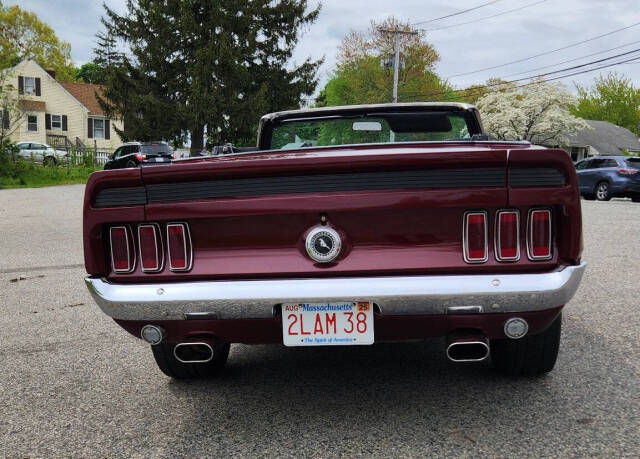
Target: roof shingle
point(31, 105)
point(86, 95)
point(607, 138)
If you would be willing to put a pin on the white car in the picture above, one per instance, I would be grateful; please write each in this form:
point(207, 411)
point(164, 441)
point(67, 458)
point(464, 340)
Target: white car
point(42, 153)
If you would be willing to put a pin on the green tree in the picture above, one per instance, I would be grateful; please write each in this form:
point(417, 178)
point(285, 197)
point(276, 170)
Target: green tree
point(106, 54)
point(612, 98)
point(362, 74)
point(12, 113)
point(91, 73)
point(202, 65)
point(24, 36)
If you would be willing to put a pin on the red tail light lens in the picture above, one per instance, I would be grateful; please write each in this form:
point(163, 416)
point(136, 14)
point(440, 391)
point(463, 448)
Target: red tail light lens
point(539, 237)
point(628, 171)
point(179, 247)
point(150, 244)
point(475, 237)
point(140, 157)
point(122, 254)
point(508, 235)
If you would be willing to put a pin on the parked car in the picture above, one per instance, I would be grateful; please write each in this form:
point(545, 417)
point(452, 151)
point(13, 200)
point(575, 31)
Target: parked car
point(133, 154)
point(392, 222)
point(42, 153)
point(606, 177)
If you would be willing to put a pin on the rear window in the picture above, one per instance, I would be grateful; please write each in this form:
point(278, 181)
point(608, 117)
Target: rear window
point(633, 162)
point(159, 149)
point(369, 128)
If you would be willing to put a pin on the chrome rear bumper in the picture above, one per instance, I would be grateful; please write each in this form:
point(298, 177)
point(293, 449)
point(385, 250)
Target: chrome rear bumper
point(406, 295)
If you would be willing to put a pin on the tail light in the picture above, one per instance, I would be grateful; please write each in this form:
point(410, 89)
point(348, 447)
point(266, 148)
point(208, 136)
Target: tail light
point(507, 235)
point(150, 245)
point(140, 157)
point(475, 237)
point(539, 234)
point(627, 171)
point(179, 247)
point(122, 253)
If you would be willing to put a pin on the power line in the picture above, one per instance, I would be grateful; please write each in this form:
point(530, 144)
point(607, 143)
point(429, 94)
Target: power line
point(491, 86)
point(572, 68)
point(547, 52)
point(487, 17)
point(456, 14)
point(571, 60)
point(478, 88)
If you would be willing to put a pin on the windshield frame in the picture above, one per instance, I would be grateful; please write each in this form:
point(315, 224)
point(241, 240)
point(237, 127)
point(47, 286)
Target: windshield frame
point(268, 122)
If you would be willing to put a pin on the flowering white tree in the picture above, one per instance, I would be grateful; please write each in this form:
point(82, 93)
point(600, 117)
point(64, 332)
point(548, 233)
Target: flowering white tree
point(537, 112)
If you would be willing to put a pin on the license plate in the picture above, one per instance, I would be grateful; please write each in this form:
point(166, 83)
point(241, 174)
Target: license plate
point(327, 324)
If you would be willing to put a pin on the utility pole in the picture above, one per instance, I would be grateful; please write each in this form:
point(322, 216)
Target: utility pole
point(396, 58)
point(396, 66)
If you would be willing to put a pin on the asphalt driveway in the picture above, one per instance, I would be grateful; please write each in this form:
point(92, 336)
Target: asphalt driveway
point(72, 383)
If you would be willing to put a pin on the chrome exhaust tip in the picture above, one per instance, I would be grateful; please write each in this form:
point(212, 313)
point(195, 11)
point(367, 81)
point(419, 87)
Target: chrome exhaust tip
point(473, 349)
point(193, 352)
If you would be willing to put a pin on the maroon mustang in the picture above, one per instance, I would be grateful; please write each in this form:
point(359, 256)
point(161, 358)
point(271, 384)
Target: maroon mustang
point(344, 226)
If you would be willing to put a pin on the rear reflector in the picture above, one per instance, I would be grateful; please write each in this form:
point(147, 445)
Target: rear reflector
point(508, 235)
point(122, 254)
point(539, 234)
point(150, 244)
point(179, 246)
point(475, 237)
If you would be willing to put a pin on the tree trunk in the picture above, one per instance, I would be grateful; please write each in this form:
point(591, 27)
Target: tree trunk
point(197, 135)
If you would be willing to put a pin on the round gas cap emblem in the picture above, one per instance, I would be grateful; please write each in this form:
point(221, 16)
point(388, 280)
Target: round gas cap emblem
point(323, 244)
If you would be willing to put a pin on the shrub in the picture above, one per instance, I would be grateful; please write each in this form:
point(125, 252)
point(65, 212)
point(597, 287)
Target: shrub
point(16, 172)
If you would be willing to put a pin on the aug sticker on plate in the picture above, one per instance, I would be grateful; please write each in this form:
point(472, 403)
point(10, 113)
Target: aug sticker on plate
point(327, 324)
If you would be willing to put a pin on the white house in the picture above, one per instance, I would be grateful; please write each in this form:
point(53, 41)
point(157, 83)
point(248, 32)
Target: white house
point(59, 113)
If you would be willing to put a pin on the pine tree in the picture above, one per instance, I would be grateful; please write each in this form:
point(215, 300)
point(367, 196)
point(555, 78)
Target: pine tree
point(207, 65)
point(106, 54)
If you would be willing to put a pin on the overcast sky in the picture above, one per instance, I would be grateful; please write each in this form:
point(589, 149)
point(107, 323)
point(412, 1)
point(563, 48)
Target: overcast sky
point(549, 25)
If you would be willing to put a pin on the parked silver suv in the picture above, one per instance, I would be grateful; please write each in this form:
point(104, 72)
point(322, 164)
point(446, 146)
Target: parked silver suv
point(42, 153)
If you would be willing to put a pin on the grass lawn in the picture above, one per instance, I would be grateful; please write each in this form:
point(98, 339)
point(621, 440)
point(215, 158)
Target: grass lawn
point(35, 176)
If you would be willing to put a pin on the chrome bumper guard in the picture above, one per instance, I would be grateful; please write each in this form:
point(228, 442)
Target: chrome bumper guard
point(406, 295)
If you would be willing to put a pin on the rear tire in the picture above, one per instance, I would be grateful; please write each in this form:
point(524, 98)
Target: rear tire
point(170, 366)
point(603, 191)
point(49, 161)
point(635, 199)
point(531, 355)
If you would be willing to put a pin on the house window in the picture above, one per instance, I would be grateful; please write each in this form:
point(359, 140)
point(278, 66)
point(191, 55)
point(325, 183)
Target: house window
point(30, 85)
point(56, 122)
point(98, 129)
point(32, 123)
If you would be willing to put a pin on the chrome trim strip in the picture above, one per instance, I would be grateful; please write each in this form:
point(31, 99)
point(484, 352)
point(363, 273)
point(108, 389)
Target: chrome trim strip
point(200, 315)
point(465, 237)
point(464, 309)
point(496, 243)
point(159, 254)
point(530, 235)
point(403, 295)
point(130, 266)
